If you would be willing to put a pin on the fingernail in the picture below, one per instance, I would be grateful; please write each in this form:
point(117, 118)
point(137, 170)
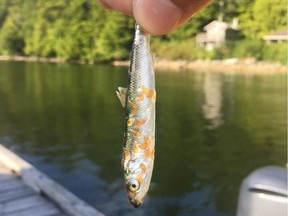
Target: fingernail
point(156, 16)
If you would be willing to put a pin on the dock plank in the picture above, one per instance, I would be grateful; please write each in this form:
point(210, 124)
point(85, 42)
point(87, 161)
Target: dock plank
point(18, 199)
point(22, 187)
point(5, 178)
point(6, 174)
point(9, 180)
point(22, 204)
point(14, 184)
point(40, 210)
point(4, 170)
point(15, 194)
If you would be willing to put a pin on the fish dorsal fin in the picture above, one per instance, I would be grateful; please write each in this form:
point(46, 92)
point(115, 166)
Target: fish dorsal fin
point(121, 93)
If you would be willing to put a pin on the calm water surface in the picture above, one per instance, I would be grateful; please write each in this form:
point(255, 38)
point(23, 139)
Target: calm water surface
point(213, 129)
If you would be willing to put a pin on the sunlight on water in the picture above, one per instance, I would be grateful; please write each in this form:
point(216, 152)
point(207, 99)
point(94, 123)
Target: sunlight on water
point(213, 99)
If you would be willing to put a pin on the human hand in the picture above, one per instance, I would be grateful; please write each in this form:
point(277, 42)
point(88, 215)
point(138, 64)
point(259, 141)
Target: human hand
point(157, 16)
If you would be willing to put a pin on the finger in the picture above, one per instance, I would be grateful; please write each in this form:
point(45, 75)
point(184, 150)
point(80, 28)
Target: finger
point(163, 16)
point(125, 6)
point(104, 4)
point(156, 16)
point(189, 8)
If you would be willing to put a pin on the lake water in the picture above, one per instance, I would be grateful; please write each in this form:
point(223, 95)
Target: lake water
point(212, 129)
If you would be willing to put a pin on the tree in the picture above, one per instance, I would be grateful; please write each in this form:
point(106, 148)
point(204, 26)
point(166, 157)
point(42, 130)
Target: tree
point(234, 8)
point(11, 37)
point(263, 17)
point(115, 38)
point(195, 25)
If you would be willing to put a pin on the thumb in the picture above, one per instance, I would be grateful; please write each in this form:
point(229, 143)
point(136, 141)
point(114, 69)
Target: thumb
point(163, 16)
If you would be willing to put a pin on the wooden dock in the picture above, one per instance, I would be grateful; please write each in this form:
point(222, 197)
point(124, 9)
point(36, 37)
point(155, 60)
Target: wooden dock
point(25, 191)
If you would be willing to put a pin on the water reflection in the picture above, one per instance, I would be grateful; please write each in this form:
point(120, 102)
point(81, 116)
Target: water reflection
point(212, 89)
point(67, 121)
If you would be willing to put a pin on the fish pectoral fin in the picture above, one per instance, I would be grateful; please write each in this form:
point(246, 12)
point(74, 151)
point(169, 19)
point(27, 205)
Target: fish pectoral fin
point(121, 93)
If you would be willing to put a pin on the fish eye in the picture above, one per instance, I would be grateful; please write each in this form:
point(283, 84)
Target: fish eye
point(133, 185)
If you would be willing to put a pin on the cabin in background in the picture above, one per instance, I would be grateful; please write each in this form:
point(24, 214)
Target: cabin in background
point(218, 32)
point(276, 37)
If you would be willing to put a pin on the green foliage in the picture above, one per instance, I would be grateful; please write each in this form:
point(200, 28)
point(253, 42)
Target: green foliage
point(115, 39)
point(196, 24)
point(221, 52)
point(275, 52)
point(264, 16)
point(11, 40)
point(187, 50)
point(82, 30)
point(234, 8)
point(64, 29)
point(174, 50)
point(76, 29)
point(258, 49)
point(248, 48)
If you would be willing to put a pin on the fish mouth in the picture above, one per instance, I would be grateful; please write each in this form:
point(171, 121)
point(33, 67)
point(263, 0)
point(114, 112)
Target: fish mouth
point(135, 204)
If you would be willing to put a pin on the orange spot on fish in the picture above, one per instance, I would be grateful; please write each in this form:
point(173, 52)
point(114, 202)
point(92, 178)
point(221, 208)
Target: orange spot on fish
point(146, 143)
point(135, 149)
point(153, 96)
point(130, 121)
point(133, 108)
point(143, 145)
point(136, 133)
point(140, 122)
point(125, 157)
point(139, 178)
point(147, 140)
point(151, 93)
point(140, 97)
point(145, 90)
point(146, 153)
point(126, 154)
point(143, 167)
point(152, 154)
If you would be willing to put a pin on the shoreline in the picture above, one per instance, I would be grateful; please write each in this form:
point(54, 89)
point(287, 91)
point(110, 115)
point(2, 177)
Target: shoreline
point(227, 65)
point(31, 59)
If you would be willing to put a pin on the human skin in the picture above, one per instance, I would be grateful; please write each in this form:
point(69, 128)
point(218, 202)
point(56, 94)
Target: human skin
point(157, 16)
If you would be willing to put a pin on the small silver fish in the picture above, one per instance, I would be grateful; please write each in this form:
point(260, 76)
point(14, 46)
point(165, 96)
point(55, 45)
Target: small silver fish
point(139, 103)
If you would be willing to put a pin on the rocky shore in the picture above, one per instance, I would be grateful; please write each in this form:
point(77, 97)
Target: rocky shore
point(227, 65)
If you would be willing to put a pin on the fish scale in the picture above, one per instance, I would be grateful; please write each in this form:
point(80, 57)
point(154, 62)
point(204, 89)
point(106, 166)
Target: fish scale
point(139, 136)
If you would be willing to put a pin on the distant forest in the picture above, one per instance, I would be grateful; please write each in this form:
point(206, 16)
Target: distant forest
point(83, 30)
